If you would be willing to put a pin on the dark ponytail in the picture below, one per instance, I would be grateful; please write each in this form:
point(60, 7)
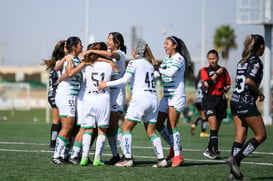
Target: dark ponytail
point(183, 50)
point(118, 38)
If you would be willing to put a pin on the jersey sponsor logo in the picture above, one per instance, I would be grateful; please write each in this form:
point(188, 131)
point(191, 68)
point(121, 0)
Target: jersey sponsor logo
point(242, 111)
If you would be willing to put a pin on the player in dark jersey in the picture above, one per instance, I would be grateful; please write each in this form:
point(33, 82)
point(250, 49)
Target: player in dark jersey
point(243, 103)
point(57, 54)
point(201, 118)
point(216, 82)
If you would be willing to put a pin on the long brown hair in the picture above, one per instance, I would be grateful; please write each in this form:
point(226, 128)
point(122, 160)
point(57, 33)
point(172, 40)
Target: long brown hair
point(57, 54)
point(252, 44)
point(149, 56)
point(183, 50)
point(91, 57)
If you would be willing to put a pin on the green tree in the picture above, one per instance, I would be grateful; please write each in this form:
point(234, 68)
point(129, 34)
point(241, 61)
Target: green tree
point(224, 40)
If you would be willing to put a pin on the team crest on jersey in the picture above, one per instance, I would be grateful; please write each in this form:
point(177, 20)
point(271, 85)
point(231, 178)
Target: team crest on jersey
point(255, 68)
point(72, 110)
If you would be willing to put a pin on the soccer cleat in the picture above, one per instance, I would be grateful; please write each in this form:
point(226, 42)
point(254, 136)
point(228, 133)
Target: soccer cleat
point(177, 161)
point(217, 155)
point(193, 126)
point(126, 162)
point(204, 135)
point(209, 154)
point(74, 161)
point(58, 160)
point(114, 160)
point(171, 154)
point(162, 163)
point(97, 162)
point(84, 161)
point(231, 176)
point(234, 167)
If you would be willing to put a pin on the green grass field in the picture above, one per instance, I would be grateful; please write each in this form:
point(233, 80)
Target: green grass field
point(24, 155)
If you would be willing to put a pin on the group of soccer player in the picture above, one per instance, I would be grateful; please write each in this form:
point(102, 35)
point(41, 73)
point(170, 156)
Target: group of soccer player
point(88, 87)
point(215, 83)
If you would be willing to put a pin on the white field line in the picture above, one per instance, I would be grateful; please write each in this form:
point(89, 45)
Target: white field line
point(134, 147)
point(147, 157)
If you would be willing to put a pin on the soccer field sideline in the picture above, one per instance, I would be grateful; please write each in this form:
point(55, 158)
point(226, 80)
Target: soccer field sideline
point(136, 156)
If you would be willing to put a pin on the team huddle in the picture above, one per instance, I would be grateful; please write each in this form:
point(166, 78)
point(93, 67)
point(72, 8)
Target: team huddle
point(88, 87)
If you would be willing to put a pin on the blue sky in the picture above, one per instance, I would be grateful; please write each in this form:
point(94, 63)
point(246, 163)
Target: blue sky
point(30, 28)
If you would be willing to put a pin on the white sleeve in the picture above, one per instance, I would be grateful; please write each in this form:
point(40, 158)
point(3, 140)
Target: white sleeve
point(125, 79)
point(168, 71)
point(156, 74)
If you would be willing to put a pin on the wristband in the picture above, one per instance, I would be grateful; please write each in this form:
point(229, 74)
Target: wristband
point(210, 82)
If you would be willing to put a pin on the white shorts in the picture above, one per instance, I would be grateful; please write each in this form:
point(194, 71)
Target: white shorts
point(96, 110)
point(178, 102)
point(117, 99)
point(147, 110)
point(66, 105)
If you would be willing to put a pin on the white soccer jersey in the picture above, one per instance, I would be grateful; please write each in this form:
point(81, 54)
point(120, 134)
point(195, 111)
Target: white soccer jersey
point(67, 92)
point(141, 74)
point(120, 64)
point(144, 101)
point(118, 92)
point(172, 70)
point(95, 73)
point(96, 103)
point(70, 86)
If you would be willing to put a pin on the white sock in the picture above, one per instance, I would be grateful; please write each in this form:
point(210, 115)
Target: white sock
point(86, 141)
point(100, 146)
point(157, 145)
point(65, 151)
point(176, 142)
point(127, 144)
point(77, 146)
point(60, 143)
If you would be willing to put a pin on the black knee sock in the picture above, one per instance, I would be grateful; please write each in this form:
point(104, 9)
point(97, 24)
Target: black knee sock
point(55, 128)
point(247, 149)
point(236, 148)
point(214, 140)
point(197, 121)
point(203, 125)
